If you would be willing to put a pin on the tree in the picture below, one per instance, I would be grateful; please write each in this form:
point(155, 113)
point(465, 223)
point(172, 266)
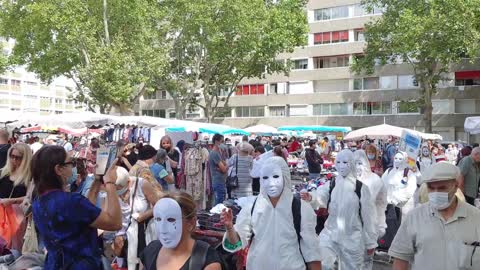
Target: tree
point(430, 36)
point(217, 44)
point(109, 48)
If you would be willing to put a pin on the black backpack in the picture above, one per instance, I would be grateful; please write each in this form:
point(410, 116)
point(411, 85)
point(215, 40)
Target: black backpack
point(358, 189)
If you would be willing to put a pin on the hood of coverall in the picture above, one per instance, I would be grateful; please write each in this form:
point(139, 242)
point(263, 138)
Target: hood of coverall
point(361, 164)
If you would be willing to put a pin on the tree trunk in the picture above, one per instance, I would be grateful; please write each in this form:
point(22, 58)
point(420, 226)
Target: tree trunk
point(428, 107)
point(179, 109)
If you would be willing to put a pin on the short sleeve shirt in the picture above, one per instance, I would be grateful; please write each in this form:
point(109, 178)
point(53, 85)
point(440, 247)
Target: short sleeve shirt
point(428, 242)
point(471, 174)
point(63, 221)
point(213, 160)
point(159, 172)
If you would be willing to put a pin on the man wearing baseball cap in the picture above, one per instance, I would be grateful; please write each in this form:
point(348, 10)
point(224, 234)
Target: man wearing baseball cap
point(442, 234)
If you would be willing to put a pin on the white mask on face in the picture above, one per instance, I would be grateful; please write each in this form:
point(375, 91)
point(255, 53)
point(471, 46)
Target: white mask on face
point(343, 162)
point(425, 152)
point(361, 166)
point(168, 222)
point(440, 200)
point(272, 180)
point(399, 161)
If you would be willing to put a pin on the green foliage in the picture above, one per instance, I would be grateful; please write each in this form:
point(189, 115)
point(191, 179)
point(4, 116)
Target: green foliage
point(218, 43)
point(430, 35)
point(111, 53)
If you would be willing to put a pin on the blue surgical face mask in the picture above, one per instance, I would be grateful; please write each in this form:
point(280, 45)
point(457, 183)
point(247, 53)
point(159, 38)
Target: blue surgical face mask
point(74, 176)
point(371, 156)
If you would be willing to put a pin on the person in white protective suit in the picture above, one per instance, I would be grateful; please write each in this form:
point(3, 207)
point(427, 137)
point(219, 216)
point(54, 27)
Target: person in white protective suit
point(424, 162)
point(349, 231)
point(268, 225)
point(379, 196)
point(401, 184)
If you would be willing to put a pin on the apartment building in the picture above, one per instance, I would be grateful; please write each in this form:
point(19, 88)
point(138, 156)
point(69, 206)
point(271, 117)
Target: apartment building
point(321, 89)
point(22, 91)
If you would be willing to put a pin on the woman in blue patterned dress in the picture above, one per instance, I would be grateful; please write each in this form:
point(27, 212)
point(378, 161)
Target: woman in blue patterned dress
point(68, 222)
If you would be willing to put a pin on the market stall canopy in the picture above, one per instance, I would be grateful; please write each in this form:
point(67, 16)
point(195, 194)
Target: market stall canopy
point(315, 128)
point(261, 129)
point(181, 126)
point(68, 120)
point(472, 125)
point(385, 131)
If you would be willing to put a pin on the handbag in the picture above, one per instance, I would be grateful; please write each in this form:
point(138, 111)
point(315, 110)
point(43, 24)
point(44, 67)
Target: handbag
point(232, 181)
point(30, 240)
point(120, 247)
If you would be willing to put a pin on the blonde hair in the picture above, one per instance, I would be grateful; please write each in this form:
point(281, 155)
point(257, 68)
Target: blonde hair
point(24, 172)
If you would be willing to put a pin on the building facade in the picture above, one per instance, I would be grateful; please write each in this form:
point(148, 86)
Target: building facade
point(22, 91)
point(321, 89)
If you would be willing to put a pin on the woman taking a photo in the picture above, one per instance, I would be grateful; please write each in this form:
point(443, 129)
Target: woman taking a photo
point(68, 222)
point(15, 179)
point(175, 220)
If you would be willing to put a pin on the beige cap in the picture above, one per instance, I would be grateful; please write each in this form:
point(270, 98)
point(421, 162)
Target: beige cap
point(441, 171)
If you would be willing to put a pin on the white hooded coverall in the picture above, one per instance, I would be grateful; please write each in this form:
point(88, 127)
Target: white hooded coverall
point(343, 236)
point(379, 196)
point(275, 244)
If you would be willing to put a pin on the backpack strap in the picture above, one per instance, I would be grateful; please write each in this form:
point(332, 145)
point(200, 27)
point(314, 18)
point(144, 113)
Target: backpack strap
point(199, 255)
point(330, 190)
point(297, 220)
point(251, 215)
point(358, 191)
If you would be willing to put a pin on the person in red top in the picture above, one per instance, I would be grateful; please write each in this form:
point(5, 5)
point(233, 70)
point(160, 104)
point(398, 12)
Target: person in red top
point(295, 146)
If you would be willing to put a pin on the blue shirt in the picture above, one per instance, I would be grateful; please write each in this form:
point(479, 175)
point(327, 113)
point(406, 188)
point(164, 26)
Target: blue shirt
point(213, 160)
point(63, 220)
point(160, 173)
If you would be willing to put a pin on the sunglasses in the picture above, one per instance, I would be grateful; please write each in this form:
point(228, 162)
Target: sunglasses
point(72, 162)
point(15, 157)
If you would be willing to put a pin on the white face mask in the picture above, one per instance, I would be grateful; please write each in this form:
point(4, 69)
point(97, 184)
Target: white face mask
point(399, 160)
point(425, 152)
point(272, 180)
point(343, 162)
point(168, 222)
point(440, 200)
point(361, 166)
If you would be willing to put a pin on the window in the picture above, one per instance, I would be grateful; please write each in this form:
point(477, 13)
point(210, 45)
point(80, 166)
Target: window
point(331, 13)
point(339, 12)
point(465, 106)
point(463, 78)
point(172, 115)
point(330, 109)
point(366, 83)
point(3, 81)
point(372, 108)
point(388, 82)
point(330, 37)
point(31, 83)
point(359, 34)
point(15, 82)
point(257, 111)
point(162, 94)
point(273, 88)
point(441, 107)
point(331, 61)
point(58, 101)
point(297, 110)
point(407, 81)
point(300, 64)
point(250, 89)
point(360, 10)
point(154, 113)
point(407, 107)
point(277, 111)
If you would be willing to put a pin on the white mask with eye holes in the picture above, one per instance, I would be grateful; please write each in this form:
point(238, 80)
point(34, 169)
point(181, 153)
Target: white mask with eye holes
point(168, 222)
point(344, 163)
point(361, 166)
point(272, 180)
point(399, 161)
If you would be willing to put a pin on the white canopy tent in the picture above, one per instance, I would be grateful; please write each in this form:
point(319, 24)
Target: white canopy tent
point(472, 125)
point(384, 131)
point(261, 129)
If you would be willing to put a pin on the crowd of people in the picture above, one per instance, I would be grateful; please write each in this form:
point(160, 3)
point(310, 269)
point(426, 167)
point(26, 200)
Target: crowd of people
point(58, 213)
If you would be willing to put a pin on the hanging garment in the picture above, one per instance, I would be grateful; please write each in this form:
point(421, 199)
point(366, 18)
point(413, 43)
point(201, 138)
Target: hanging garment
point(193, 172)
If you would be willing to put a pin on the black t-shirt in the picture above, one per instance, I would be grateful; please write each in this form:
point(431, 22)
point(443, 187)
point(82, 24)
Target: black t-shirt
point(150, 254)
point(3, 154)
point(314, 161)
point(175, 156)
point(6, 186)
